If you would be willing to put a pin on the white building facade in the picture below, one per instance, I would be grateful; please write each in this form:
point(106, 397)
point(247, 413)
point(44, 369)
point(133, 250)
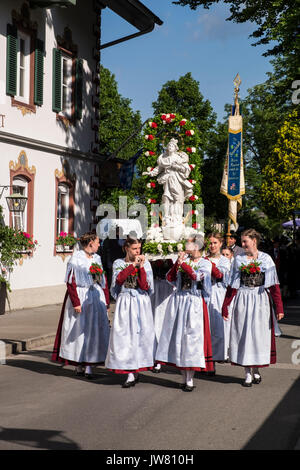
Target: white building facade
point(49, 121)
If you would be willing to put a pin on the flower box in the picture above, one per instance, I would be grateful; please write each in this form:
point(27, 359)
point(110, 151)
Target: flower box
point(63, 248)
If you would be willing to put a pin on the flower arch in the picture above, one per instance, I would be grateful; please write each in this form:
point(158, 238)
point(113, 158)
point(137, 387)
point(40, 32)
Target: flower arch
point(157, 132)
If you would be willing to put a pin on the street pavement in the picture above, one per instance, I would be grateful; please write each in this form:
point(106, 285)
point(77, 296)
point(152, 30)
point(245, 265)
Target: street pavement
point(45, 406)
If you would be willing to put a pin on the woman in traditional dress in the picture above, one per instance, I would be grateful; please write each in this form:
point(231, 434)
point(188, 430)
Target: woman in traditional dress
point(254, 291)
point(160, 297)
point(227, 251)
point(185, 338)
point(132, 339)
point(220, 275)
point(83, 330)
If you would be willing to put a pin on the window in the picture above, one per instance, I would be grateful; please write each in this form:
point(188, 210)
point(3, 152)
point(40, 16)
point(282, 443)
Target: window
point(19, 219)
point(67, 85)
point(62, 223)
point(22, 181)
point(23, 67)
point(64, 205)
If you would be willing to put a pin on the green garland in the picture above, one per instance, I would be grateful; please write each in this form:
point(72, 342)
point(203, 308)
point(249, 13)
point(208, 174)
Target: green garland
point(157, 132)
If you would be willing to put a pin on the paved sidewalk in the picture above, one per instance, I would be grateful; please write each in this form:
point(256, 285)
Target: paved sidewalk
point(22, 330)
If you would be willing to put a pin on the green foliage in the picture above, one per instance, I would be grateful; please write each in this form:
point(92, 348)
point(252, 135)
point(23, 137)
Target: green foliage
point(66, 239)
point(215, 204)
point(281, 175)
point(117, 123)
point(163, 248)
point(157, 133)
point(12, 244)
point(183, 97)
point(117, 120)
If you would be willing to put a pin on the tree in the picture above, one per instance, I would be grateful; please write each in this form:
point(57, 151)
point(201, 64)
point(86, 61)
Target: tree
point(215, 204)
point(183, 97)
point(281, 175)
point(117, 123)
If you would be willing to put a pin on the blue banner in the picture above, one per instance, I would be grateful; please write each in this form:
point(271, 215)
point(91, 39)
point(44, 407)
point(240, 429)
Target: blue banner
point(127, 171)
point(234, 164)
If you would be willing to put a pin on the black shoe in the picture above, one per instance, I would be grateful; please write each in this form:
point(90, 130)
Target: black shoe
point(210, 373)
point(129, 384)
point(256, 380)
point(247, 384)
point(90, 376)
point(79, 374)
point(188, 388)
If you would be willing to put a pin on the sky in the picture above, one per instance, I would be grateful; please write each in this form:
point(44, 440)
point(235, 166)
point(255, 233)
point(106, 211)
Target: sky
point(198, 41)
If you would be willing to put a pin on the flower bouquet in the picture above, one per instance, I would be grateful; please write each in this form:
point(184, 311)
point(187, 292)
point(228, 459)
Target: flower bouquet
point(251, 274)
point(131, 281)
point(186, 281)
point(96, 271)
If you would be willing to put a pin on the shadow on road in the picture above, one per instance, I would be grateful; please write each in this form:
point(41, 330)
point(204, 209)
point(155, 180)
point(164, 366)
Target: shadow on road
point(104, 376)
point(38, 438)
point(281, 430)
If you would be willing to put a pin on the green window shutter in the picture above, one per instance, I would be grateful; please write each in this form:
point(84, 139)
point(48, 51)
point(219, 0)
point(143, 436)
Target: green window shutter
point(78, 88)
point(39, 72)
point(56, 81)
point(11, 60)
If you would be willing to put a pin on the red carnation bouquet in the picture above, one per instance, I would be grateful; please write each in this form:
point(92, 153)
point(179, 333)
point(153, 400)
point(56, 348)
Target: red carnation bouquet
point(251, 268)
point(96, 271)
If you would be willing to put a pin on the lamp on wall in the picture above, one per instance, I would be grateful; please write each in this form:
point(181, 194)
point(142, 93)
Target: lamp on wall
point(16, 202)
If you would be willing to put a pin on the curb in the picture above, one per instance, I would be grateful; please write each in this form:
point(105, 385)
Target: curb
point(18, 346)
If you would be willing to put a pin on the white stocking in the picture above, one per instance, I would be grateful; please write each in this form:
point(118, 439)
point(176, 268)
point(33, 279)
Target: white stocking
point(248, 376)
point(189, 377)
point(183, 373)
point(130, 377)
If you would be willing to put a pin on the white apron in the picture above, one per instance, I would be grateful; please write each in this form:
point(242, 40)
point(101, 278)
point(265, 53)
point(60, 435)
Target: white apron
point(181, 341)
point(252, 315)
point(84, 336)
point(132, 338)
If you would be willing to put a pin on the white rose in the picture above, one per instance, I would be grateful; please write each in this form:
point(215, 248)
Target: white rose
point(170, 248)
point(180, 247)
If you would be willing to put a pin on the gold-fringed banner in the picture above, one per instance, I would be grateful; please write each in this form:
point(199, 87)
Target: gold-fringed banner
point(233, 181)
